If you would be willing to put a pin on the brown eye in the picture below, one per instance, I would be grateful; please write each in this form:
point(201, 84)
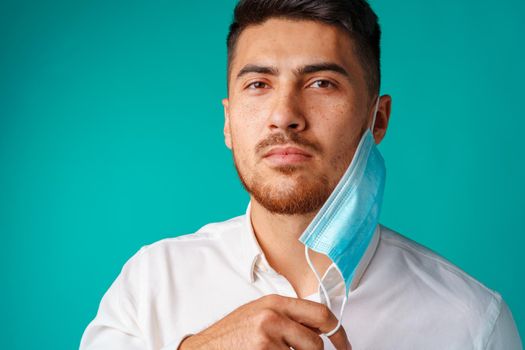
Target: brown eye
point(322, 84)
point(257, 85)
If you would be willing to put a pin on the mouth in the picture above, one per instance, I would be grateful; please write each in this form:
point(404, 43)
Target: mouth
point(280, 156)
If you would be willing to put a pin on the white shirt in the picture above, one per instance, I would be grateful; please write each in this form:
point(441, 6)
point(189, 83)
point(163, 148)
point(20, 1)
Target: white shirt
point(403, 295)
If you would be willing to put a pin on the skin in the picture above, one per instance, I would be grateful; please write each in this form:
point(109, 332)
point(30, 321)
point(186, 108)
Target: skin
point(327, 111)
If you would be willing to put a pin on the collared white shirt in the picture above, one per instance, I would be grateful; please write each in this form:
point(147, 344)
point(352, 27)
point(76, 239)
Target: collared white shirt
point(403, 295)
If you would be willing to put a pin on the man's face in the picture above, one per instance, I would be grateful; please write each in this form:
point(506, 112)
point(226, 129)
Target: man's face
point(297, 107)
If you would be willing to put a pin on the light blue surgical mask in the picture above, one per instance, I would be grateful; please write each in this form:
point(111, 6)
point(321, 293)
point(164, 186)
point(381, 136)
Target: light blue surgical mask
point(345, 224)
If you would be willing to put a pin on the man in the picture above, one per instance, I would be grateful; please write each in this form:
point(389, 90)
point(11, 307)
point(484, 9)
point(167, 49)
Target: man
point(303, 89)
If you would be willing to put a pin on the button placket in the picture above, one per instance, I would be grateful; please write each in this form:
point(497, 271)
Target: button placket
point(277, 281)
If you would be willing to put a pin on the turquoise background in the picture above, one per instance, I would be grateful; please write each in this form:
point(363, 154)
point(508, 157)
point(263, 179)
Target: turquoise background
point(111, 138)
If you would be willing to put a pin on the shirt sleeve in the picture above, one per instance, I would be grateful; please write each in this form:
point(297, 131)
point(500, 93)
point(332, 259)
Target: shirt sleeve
point(504, 335)
point(123, 319)
point(116, 325)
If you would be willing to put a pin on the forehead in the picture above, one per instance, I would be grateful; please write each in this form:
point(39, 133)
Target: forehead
point(288, 43)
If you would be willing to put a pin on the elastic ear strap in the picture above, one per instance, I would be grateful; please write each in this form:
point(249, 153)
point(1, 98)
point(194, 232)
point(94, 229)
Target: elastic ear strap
point(375, 114)
point(307, 255)
point(340, 319)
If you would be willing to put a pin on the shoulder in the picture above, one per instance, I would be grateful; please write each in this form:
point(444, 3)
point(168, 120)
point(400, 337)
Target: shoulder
point(431, 283)
point(211, 241)
point(419, 263)
point(209, 235)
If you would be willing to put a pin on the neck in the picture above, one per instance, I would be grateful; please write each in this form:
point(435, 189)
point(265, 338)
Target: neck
point(278, 235)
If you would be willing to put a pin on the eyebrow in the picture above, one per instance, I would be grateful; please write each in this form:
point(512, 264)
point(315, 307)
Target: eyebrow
point(307, 69)
point(320, 67)
point(253, 68)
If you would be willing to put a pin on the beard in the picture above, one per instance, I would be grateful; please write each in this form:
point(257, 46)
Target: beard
point(305, 195)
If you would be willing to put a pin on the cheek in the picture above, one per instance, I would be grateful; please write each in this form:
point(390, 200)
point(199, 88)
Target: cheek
point(337, 126)
point(244, 137)
point(334, 121)
point(246, 123)
point(250, 112)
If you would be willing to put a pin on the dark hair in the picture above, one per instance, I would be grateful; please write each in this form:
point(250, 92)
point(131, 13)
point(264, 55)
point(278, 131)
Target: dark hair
point(354, 16)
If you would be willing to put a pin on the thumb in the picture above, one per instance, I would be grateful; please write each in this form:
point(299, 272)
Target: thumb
point(340, 340)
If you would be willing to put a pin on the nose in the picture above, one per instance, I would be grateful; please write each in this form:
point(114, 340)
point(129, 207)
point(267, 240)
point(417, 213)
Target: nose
point(286, 114)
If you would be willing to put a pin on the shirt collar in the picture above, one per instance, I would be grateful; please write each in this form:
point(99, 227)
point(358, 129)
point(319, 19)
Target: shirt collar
point(252, 253)
point(366, 258)
point(251, 249)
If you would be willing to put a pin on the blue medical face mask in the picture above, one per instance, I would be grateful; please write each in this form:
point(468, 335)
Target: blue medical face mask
point(345, 224)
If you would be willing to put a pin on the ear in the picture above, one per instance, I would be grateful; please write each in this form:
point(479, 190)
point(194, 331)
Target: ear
point(382, 118)
point(227, 133)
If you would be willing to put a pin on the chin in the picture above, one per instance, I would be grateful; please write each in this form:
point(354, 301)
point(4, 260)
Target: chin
point(301, 197)
point(286, 190)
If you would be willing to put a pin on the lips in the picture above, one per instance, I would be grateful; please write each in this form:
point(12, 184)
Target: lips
point(285, 156)
point(287, 151)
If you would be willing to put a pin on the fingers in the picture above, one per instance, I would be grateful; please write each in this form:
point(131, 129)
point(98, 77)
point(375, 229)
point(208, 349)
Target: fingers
point(313, 315)
point(300, 337)
point(340, 340)
point(271, 322)
point(278, 331)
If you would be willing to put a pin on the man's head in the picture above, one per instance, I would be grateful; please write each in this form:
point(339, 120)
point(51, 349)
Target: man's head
point(303, 78)
point(355, 17)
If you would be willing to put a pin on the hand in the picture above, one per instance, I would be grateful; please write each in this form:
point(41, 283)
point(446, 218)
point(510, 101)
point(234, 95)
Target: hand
point(270, 323)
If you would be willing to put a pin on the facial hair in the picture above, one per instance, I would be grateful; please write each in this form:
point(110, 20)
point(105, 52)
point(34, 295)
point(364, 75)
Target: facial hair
point(306, 195)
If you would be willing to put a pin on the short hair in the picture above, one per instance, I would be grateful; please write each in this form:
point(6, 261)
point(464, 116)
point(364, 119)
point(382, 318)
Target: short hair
point(356, 17)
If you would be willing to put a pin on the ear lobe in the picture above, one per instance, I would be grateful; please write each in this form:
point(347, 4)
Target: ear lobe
point(226, 130)
point(383, 117)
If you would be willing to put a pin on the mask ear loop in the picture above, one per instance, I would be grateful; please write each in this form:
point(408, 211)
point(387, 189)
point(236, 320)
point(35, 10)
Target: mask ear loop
point(340, 319)
point(312, 267)
point(327, 298)
point(375, 114)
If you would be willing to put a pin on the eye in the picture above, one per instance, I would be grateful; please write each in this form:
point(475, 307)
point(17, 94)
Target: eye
point(257, 85)
point(322, 84)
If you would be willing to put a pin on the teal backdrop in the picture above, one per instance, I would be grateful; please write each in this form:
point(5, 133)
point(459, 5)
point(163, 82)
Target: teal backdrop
point(111, 139)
